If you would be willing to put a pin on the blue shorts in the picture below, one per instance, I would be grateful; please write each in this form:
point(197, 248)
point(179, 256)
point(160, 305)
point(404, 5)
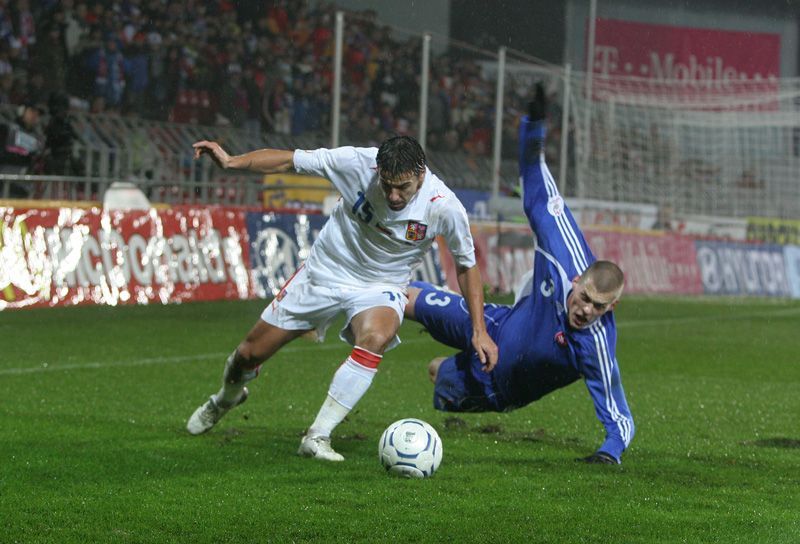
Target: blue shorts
point(461, 385)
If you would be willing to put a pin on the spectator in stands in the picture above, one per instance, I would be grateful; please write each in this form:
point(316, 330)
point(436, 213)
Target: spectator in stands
point(254, 92)
point(49, 56)
point(749, 180)
point(25, 27)
point(22, 146)
point(36, 89)
point(6, 88)
point(276, 109)
point(75, 27)
point(6, 68)
point(664, 218)
point(438, 116)
point(479, 137)
point(234, 106)
point(60, 138)
point(107, 64)
point(138, 74)
point(191, 49)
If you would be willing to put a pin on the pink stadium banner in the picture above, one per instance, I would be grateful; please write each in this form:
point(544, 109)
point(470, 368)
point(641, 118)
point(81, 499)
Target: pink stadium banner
point(68, 256)
point(657, 263)
point(696, 59)
point(654, 263)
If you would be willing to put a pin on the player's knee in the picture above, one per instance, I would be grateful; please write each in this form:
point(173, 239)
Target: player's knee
point(374, 340)
point(433, 368)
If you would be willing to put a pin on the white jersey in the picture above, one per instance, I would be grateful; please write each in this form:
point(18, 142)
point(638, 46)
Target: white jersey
point(365, 242)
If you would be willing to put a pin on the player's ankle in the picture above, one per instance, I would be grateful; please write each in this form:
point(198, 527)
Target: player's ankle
point(229, 395)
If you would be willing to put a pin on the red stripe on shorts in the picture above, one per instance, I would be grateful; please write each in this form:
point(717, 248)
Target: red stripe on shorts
point(282, 292)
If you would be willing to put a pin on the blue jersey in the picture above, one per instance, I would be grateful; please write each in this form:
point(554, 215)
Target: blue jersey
point(557, 354)
point(538, 351)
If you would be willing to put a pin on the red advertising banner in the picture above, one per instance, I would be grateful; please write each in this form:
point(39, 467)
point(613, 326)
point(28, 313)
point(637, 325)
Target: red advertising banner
point(67, 256)
point(698, 59)
point(657, 263)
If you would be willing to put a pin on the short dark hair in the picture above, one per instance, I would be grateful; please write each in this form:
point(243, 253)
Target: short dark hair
point(400, 155)
point(606, 276)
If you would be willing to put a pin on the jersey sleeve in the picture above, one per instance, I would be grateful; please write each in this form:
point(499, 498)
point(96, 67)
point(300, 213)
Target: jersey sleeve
point(556, 231)
point(331, 164)
point(601, 374)
point(454, 227)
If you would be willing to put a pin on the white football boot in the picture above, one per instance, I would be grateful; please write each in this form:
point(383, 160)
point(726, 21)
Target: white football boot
point(208, 414)
point(318, 447)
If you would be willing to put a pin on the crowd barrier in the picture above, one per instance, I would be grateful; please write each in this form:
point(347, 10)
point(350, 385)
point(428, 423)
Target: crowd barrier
point(76, 255)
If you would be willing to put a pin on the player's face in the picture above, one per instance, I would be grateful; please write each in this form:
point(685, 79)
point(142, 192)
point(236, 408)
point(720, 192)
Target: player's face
point(399, 191)
point(585, 305)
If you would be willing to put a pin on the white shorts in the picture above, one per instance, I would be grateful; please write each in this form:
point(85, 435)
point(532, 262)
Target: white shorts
point(303, 305)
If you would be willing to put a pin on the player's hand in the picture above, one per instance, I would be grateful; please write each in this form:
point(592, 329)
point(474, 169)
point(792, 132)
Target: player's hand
point(486, 349)
point(213, 150)
point(599, 458)
point(537, 108)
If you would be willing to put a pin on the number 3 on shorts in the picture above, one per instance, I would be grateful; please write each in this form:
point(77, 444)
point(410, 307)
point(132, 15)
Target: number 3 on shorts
point(437, 299)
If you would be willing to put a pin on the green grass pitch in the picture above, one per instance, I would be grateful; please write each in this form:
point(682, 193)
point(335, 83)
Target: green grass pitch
point(93, 403)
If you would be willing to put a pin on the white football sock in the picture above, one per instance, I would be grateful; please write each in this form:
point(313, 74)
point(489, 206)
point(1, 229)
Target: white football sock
point(349, 384)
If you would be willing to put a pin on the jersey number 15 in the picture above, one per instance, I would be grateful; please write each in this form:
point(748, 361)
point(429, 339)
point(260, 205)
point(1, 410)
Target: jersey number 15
point(362, 208)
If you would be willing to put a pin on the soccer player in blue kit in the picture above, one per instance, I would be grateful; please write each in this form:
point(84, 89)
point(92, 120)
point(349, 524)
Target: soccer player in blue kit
point(560, 329)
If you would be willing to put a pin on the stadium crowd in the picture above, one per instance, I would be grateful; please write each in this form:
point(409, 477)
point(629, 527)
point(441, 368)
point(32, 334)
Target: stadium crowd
point(264, 67)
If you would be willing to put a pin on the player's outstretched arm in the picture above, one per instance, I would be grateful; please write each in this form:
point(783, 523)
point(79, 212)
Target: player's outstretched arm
point(469, 281)
point(265, 161)
point(605, 387)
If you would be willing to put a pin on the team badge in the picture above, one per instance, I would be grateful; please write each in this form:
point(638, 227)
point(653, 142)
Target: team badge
point(555, 205)
point(561, 339)
point(416, 231)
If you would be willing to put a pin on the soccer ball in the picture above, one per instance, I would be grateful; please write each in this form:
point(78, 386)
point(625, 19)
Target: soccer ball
point(410, 448)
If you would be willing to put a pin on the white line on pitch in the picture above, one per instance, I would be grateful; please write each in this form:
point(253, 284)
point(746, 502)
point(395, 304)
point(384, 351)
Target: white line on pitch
point(313, 346)
point(47, 367)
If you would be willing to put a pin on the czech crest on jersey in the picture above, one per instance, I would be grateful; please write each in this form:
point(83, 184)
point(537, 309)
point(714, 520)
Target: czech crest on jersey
point(416, 231)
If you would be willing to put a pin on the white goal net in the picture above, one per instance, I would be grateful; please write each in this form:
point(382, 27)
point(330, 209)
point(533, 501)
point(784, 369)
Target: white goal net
point(722, 148)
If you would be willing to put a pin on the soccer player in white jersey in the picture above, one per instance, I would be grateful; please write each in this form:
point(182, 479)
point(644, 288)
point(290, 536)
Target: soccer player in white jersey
point(391, 210)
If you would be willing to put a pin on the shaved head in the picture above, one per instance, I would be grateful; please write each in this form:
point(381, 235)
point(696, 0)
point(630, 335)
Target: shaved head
point(603, 281)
